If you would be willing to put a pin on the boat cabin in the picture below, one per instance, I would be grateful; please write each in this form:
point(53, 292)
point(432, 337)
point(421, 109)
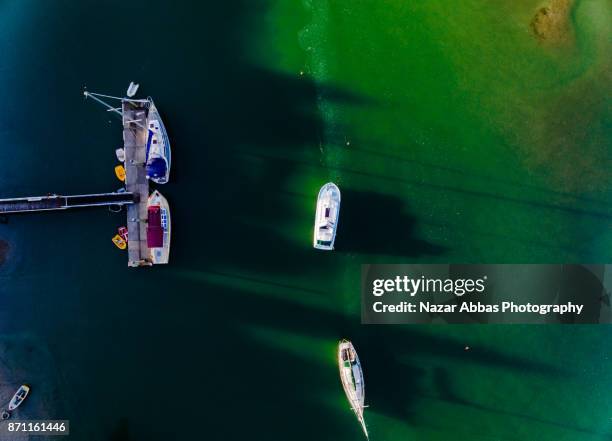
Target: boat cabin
point(348, 357)
point(155, 232)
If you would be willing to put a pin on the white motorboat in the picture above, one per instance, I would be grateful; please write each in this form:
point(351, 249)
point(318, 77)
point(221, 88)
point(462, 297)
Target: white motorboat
point(19, 397)
point(351, 376)
point(326, 218)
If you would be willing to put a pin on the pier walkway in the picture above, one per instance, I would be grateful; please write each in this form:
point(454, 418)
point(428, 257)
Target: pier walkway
point(136, 194)
point(136, 182)
point(59, 202)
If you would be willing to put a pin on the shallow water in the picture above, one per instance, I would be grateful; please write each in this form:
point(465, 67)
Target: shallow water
point(454, 135)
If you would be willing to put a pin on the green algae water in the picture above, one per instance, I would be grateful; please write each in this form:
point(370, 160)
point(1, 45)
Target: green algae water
point(455, 133)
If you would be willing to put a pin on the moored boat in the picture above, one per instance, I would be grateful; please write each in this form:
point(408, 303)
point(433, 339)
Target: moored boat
point(132, 89)
point(119, 242)
point(158, 152)
point(158, 228)
point(120, 172)
point(326, 217)
point(19, 397)
point(351, 376)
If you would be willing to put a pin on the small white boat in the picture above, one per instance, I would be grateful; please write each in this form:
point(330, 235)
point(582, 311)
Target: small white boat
point(120, 154)
point(132, 89)
point(158, 228)
point(158, 152)
point(326, 218)
point(19, 397)
point(351, 376)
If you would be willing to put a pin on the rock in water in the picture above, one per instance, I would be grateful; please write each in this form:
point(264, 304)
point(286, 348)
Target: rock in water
point(551, 23)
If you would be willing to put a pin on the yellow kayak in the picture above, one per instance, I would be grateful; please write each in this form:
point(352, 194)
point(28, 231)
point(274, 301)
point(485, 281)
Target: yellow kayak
point(119, 242)
point(120, 172)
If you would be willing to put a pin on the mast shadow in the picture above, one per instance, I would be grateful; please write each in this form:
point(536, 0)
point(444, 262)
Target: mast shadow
point(446, 392)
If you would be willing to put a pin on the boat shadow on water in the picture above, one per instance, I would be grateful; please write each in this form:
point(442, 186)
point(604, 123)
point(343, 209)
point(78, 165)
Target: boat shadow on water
point(399, 372)
point(258, 210)
point(397, 379)
point(373, 223)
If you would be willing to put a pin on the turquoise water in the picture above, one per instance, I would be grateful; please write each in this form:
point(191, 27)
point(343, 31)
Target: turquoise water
point(454, 127)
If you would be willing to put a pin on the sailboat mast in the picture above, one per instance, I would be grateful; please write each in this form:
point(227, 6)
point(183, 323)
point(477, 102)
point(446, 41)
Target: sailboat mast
point(365, 430)
point(117, 110)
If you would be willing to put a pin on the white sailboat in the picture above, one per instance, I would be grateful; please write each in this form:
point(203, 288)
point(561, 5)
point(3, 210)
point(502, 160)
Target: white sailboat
point(351, 376)
point(158, 147)
point(326, 217)
point(158, 152)
point(158, 228)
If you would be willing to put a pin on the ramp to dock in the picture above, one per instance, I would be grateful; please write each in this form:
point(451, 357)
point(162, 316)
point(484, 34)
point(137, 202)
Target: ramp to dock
point(136, 182)
point(59, 202)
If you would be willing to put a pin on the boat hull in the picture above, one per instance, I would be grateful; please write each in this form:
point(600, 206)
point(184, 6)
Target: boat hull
point(326, 217)
point(161, 255)
point(19, 397)
point(158, 143)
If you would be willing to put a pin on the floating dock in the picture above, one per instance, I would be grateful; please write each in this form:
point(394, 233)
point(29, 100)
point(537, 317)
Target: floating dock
point(134, 115)
point(59, 202)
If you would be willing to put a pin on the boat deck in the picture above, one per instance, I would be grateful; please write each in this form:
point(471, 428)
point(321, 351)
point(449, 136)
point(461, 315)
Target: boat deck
point(134, 144)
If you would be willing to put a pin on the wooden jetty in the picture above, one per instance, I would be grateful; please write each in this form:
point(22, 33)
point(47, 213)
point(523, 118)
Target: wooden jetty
point(58, 202)
point(136, 193)
point(134, 144)
point(134, 116)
